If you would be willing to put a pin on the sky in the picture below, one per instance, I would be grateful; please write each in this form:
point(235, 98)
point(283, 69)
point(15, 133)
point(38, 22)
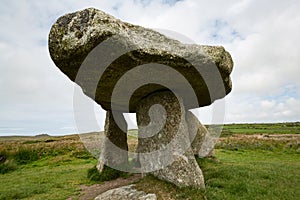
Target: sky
point(261, 35)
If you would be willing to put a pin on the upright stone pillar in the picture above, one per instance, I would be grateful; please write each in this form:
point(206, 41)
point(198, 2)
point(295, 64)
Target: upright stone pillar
point(164, 143)
point(114, 152)
point(202, 144)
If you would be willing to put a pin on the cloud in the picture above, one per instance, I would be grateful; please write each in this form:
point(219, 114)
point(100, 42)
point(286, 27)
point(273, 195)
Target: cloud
point(260, 110)
point(262, 37)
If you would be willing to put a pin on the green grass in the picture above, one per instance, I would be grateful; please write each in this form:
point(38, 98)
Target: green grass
point(252, 175)
point(238, 175)
point(243, 143)
point(267, 128)
point(250, 129)
point(7, 167)
point(51, 178)
point(26, 155)
point(246, 167)
point(43, 169)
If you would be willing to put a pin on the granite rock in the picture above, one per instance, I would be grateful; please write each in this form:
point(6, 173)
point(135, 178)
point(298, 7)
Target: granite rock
point(163, 145)
point(76, 35)
point(114, 151)
point(198, 135)
point(125, 193)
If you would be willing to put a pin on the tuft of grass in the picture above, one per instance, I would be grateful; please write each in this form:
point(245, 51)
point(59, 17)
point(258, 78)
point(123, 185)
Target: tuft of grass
point(26, 155)
point(81, 154)
point(8, 166)
point(107, 174)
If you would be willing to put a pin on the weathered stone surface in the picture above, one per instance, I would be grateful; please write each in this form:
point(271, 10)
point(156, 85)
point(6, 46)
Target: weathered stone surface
point(198, 133)
point(114, 152)
point(75, 35)
point(163, 143)
point(125, 193)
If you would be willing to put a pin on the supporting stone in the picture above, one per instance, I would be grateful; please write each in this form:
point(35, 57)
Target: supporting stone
point(164, 145)
point(114, 152)
point(202, 144)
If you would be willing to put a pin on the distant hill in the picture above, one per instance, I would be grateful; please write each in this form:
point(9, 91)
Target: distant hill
point(43, 135)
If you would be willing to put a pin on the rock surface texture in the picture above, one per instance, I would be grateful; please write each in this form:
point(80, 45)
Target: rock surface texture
point(199, 134)
point(169, 148)
point(75, 35)
point(125, 193)
point(114, 152)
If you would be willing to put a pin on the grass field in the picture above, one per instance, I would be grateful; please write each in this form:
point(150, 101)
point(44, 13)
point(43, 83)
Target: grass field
point(247, 166)
point(278, 128)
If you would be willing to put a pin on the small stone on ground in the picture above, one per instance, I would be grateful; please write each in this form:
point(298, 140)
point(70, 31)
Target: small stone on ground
point(125, 193)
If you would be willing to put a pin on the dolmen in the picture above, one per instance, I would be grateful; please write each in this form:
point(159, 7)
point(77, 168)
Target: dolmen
point(126, 68)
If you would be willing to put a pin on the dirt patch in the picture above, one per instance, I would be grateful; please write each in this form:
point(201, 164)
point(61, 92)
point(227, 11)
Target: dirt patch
point(91, 192)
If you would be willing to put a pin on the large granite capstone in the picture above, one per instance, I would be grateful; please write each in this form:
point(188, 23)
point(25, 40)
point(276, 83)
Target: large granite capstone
point(75, 35)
